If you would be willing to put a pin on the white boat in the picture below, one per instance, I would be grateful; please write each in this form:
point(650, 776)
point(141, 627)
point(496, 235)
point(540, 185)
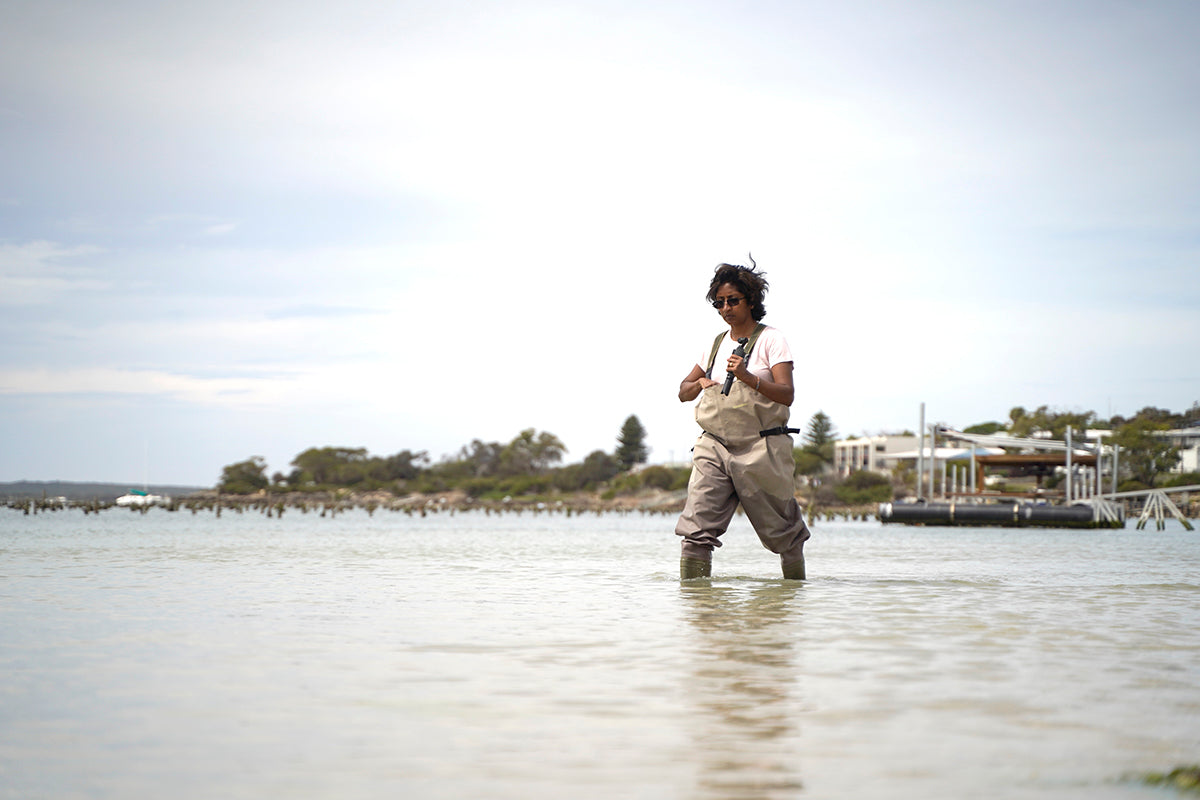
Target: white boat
point(139, 498)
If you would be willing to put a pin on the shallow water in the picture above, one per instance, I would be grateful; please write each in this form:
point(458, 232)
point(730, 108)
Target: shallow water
point(541, 656)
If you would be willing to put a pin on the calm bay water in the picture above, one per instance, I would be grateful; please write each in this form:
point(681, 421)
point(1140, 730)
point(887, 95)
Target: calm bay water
point(541, 656)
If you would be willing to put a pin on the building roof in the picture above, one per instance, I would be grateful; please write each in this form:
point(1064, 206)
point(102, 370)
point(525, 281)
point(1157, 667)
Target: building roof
point(944, 453)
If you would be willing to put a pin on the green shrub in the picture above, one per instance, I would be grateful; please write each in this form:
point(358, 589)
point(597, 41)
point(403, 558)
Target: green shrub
point(864, 487)
point(478, 487)
point(657, 477)
point(807, 462)
point(683, 475)
point(628, 483)
point(1183, 479)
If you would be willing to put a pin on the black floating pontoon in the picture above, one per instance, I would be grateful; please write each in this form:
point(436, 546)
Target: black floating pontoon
point(1004, 514)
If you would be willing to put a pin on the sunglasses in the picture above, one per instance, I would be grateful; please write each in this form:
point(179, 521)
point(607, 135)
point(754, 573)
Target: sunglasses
point(719, 303)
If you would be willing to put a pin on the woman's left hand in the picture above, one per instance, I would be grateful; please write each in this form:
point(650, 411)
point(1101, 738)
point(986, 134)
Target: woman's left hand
point(737, 365)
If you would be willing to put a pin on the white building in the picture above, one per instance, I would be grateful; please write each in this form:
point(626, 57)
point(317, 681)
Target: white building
point(1188, 442)
point(876, 453)
point(883, 453)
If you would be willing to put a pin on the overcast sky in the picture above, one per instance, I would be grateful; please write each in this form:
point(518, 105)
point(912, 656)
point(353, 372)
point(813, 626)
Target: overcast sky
point(231, 229)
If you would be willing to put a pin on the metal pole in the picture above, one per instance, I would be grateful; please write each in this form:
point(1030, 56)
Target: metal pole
point(932, 457)
point(1116, 468)
point(921, 454)
point(1069, 487)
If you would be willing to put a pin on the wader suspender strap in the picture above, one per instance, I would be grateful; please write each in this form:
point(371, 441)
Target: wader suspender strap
point(778, 431)
point(717, 346)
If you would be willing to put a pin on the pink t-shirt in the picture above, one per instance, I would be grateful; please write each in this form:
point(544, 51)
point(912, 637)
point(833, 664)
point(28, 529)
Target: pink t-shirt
point(770, 349)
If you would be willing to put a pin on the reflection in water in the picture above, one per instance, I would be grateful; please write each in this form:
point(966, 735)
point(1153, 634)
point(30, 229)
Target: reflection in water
point(743, 673)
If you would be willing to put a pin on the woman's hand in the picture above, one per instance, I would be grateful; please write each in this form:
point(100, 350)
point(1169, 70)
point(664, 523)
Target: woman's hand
point(737, 365)
point(695, 382)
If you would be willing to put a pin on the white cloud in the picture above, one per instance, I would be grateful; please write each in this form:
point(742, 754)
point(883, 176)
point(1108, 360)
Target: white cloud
point(109, 380)
point(38, 272)
point(435, 223)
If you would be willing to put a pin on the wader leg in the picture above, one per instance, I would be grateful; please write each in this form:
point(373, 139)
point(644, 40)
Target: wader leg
point(767, 490)
point(711, 502)
point(792, 560)
point(794, 570)
point(694, 568)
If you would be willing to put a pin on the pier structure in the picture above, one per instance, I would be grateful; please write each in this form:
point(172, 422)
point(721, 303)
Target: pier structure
point(953, 464)
point(964, 498)
point(1083, 462)
point(1157, 503)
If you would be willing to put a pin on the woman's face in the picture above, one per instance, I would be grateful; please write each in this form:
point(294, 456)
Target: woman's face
point(734, 315)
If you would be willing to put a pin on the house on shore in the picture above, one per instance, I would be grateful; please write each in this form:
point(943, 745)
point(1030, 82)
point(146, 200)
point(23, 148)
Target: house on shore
point(1188, 442)
point(875, 453)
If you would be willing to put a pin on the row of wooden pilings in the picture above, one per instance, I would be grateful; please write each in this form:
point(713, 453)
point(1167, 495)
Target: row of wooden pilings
point(276, 507)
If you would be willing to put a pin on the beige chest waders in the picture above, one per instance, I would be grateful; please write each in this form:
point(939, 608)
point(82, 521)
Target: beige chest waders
point(733, 462)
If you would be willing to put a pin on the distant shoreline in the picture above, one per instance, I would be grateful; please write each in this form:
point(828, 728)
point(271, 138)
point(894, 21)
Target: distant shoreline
point(86, 490)
point(325, 503)
point(54, 496)
point(332, 503)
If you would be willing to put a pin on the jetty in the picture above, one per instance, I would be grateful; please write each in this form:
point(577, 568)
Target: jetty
point(964, 496)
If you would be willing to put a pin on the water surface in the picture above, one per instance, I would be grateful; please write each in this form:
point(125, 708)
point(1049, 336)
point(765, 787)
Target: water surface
point(541, 656)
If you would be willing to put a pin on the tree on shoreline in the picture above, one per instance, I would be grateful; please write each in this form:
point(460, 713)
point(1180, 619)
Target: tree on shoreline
point(631, 444)
point(351, 466)
point(1143, 454)
point(1022, 423)
point(244, 477)
point(531, 453)
point(818, 439)
point(819, 433)
point(529, 464)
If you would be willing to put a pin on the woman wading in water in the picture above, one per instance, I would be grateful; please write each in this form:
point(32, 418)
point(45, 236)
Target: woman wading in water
point(744, 454)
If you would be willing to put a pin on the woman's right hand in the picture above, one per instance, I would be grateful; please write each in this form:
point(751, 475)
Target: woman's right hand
point(695, 383)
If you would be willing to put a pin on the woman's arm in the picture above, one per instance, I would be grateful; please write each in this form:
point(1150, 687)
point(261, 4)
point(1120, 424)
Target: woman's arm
point(780, 388)
point(777, 388)
point(693, 384)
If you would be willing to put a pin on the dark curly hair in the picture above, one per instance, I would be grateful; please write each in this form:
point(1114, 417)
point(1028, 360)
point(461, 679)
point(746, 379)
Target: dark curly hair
point(748, 280)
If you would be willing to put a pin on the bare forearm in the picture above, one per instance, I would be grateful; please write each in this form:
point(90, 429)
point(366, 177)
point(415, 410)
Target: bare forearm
point(782, 393)
point(776, 385)
point(689, 390)
point(692, 385)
